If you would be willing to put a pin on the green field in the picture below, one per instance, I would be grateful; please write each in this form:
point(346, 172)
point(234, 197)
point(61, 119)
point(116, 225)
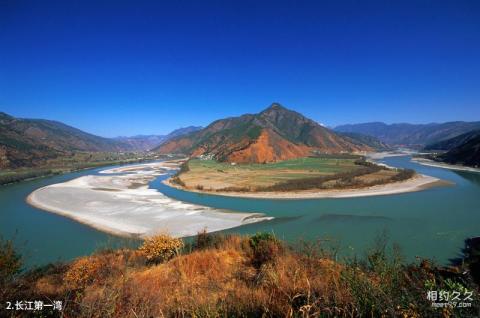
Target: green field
point(316, 165)
point(218, 176)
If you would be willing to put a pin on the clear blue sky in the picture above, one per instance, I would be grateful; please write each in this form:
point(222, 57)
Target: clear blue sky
point(141, 67)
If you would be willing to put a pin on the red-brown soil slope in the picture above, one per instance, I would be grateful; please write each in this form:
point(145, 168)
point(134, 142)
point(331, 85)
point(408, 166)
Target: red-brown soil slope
point(274, 134)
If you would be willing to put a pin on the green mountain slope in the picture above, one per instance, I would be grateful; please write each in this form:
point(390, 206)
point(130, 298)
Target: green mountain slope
point(274, 134)
point(454, 142)
point(467, 153)
point(29, 142)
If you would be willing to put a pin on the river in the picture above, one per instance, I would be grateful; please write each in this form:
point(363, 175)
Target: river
point(431, 224)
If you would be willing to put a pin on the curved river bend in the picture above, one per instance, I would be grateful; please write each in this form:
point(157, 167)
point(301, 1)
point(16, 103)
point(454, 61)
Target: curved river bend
point(432, 223)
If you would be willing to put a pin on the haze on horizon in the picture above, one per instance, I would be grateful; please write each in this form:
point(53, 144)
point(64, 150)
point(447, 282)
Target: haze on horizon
point(149, 67)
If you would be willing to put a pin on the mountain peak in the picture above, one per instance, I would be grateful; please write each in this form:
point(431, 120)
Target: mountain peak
point(274, 107)
point(276, 133)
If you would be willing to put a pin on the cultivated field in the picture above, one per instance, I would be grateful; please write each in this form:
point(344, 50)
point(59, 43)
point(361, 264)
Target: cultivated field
point(328, 172)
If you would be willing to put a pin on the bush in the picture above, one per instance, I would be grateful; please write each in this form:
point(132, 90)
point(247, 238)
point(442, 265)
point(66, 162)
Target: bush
point(235, 189)
point(10, 261)
point(161, 248)
point(403, 174)
point(256, 239)
point(265, 248)
point(184, 167)
point(177, 180)
point(205, 240)
point(83, 272)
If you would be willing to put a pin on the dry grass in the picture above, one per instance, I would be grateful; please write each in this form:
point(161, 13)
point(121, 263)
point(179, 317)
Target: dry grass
point(234, 276)
point(161, 248)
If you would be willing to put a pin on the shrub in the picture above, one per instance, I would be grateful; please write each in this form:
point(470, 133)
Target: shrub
point(205, 240)
point(161, 248)
point(403, 174)
point(177, 180)
point(97, 269)
point(235, 189)
point(470, 258)
point(10, 261)
point(83, 271)
point(184, 167)
point(256, 239)
point(265, 248)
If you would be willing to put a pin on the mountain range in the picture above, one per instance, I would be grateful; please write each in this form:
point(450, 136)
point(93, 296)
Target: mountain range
point(276, 133)
point(31, 142)
point(410, 135)
point(148, 142)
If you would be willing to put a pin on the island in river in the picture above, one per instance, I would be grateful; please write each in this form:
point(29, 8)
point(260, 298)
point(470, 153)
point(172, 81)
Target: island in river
point(120, 202)
point(322, 176)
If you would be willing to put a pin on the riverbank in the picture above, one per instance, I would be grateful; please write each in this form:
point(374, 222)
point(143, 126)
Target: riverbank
point(124, 205)
point(431, 163)
point(388, 154)
point(417, 183)
point(28, 174)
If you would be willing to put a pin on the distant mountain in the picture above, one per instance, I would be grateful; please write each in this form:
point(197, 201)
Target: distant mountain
point(142, 142)
point(273, 134)
point(183, 131)
point(411, 135)
point(362, 139)
point(466, 153)
point(147, 142)
point(29, 142)
point(454, 142)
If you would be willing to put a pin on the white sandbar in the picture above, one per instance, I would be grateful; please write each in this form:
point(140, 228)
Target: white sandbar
point(122, 204)
point(431, 163)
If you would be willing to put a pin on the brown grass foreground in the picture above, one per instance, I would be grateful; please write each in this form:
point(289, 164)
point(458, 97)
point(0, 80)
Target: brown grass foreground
point(235, 276)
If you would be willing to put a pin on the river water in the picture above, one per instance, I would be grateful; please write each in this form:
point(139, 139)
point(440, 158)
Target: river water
point(432, 223)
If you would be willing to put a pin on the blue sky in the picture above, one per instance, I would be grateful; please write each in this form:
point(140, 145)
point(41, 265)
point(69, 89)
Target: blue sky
point(148, 67)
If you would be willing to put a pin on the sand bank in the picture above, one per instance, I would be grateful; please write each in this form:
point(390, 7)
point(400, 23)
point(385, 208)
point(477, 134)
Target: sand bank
point(120, 202)
point(417, 183)
point(387, 154)
point(428, 162)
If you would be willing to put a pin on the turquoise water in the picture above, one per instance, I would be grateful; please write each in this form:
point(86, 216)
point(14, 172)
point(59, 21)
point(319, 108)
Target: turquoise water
point(431, 223)
point(44, 237)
